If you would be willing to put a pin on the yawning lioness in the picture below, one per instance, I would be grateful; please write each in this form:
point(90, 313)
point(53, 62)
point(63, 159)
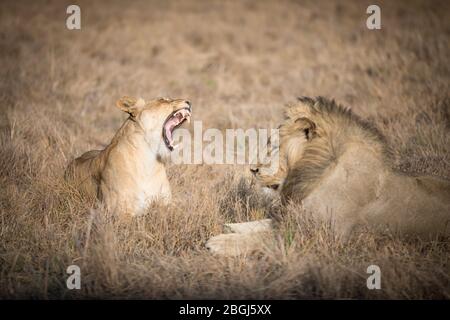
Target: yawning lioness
point(129, 173)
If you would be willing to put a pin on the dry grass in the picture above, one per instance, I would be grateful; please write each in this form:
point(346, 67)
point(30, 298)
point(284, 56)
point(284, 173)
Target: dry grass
point(238, 62)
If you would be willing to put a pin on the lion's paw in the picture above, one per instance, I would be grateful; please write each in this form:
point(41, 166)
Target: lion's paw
point(233, 244)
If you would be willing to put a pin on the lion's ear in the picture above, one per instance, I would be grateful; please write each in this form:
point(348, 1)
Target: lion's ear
point(307, 126)
point(130, 105)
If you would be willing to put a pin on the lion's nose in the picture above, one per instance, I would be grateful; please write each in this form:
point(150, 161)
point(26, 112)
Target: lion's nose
point(254, 170)
point(189, 104)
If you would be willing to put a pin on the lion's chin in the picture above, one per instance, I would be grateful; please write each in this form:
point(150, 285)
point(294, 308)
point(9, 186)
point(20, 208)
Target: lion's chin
point(269, 191)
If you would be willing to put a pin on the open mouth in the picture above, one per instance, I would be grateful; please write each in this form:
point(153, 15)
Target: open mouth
point(172, 122)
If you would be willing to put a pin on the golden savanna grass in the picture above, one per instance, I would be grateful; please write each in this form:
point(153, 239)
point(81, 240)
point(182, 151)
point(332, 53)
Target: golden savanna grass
point(238, 62)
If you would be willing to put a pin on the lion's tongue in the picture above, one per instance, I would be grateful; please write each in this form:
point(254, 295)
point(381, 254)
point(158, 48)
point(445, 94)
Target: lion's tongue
point(169, 126)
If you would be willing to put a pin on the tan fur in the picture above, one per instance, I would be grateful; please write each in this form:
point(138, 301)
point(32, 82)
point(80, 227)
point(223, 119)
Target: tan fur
point(129, 173)
point(238, 244)
point(339, 167)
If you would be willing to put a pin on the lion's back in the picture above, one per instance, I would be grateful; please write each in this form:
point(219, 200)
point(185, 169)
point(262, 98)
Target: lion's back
point(437, 186)
point(83, 172)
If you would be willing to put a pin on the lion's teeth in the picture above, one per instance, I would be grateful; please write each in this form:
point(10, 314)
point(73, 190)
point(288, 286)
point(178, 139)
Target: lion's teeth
point(176, 146)
point(188, 118)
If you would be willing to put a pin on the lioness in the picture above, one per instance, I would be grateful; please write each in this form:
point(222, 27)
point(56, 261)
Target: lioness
point(129, 173)
point(339, 167)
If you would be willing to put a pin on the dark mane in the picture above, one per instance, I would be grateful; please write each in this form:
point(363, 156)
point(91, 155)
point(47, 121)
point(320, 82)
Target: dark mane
point(325, 106)
point(338, 125)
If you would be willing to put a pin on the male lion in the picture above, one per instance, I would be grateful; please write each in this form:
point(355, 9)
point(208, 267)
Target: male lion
point(129, 173)
point(338, 167)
